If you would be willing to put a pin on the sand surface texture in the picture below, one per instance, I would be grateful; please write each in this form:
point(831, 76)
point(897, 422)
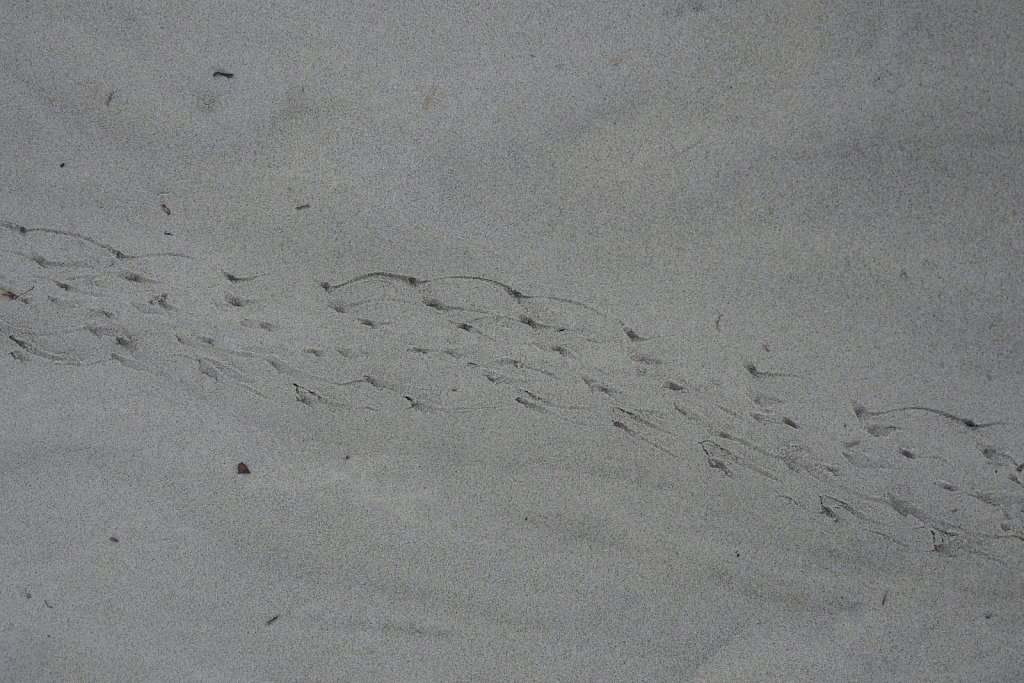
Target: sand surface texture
point(513, 342)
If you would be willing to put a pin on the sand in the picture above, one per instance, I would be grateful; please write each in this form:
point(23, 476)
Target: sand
point(520, 342)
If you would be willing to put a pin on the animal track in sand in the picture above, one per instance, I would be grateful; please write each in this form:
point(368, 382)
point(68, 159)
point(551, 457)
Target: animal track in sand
point(385, 342)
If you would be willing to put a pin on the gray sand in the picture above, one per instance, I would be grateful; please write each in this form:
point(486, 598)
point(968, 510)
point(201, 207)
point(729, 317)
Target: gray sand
point(694, 351)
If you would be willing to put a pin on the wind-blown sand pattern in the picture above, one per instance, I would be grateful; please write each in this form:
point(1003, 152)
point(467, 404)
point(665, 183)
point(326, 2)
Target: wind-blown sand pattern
point(388, 343)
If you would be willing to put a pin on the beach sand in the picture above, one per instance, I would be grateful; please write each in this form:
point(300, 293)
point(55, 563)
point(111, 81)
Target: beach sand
point(449, 342)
